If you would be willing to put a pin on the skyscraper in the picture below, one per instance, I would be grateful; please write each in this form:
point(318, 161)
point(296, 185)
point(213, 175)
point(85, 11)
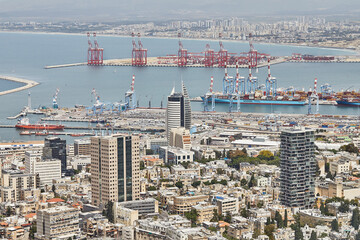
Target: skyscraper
point(55, 147)
point(115, 169)
point(178, 112)
point(298, 167)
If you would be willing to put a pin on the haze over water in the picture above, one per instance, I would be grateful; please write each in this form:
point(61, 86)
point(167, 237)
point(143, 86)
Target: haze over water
point(24, 55)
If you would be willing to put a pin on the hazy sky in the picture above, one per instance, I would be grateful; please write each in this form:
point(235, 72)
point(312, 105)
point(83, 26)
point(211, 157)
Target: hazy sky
point(105, 10)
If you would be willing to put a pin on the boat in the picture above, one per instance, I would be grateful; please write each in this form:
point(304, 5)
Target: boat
point(257, 101)
point(25, 133)
point(77, 135)
point(25, 124)
point(349, 102)
point(43, 133)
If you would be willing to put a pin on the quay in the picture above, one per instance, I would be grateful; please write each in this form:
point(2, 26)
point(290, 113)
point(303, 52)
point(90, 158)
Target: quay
point(28, 84)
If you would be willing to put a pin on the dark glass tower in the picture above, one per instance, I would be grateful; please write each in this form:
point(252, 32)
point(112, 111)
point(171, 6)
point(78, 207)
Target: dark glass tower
point(55, 147)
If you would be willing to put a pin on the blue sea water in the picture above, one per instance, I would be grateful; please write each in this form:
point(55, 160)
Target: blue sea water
point(24, 55)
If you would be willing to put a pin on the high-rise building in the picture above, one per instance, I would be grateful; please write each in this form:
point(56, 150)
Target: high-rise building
point(82, 147)
point(60, 222)
point(55, 147)
point(180, 137)
point(298, 168)
point(115, 169)
point(178, 112)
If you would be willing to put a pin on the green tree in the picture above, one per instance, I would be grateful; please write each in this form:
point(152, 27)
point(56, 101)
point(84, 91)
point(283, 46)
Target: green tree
point(335, 225)
point(192, 216)
point(179, 184)
point(268, 230)
point(279, 220)
point(32, 230)
point(8, 211)
point(313, 236)
point(108, 211)
point(298, 233)
point(216, 216)
point(152, 188)
point(220, 171)
point(53, 188)
point(252, 181)
point(142, 165)
point(355, 219)
point(223, 182)
point(344, 207)
point(351, 148)
point(268, 221)
point(329, 175)
point(149, 152)
point(196, 184)
point(357, 237)
point(286, 218)
point(228, 217)
point(256, 233)
point(244, 213)
point(243, 182)
point(266, 154)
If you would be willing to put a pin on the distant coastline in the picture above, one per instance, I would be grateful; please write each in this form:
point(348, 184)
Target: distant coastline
point(28, 84)
point(196, 39)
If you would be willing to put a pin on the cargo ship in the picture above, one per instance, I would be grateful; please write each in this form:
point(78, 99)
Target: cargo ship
point(349, 102)
point(25, 124)
point(225, 99)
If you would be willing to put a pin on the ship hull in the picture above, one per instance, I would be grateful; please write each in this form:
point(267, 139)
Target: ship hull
point(349, 104)
point(260, 102)
point(40, 127)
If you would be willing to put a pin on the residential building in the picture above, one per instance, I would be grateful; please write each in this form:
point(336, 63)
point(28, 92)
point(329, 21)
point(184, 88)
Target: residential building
point(183, 204)
point(48, 169)
point(180, 138)
point(227, 205)
point(176, 156)
point(205, 212)
point(60, 222)
point(82, 147)
point(115, 169)
point(298, 167)
point(56, 148)
point(341, 166)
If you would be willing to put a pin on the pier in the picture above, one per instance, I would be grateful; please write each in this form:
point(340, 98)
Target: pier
point(28, 84)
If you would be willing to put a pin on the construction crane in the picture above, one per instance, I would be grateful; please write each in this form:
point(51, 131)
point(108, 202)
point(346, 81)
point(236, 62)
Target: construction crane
point(130, 96)
point(182, 54)
point(210, 94)
point(270, 83)
point(54, 101)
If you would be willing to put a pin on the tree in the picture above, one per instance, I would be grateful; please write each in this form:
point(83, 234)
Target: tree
point(335, 225)
point(357, 237)
point(243, 182)
point(216, 217)
point(329, 175)
point(313, 236)
point(108, 211)
point(256, 233)
point(149, 152)
point(268, 230)
point(298, 233)
point(252, 181)
point(192, 216)
point(179, 184)
point(53, 188)
point(286, 219)
point(32, 230)
point(344, 207)
point(244, 213)
point(151, 188)
point(266, 155)
point(355, 219)
point(268, 221)
point(142, 165)
point(351, 148)
point(279, 220)
point(220, 171)
point(223, 182)
point(8, 211)
point(196, 184)
point(228, 217)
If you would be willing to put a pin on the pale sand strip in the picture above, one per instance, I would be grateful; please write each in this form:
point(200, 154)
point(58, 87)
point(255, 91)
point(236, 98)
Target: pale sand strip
point(28, 84)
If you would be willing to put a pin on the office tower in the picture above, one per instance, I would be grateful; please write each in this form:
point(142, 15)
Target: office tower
point(55, 147)
point(178, 112)
point(115, 169)
point(60, 222)
point(298, 167)
point(82, 147)
point(47, 169)
point(180, 137)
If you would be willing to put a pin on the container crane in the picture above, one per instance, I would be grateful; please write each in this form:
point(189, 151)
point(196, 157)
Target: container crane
point(222, 54)
point(209, 56)
point(90, 50)
point(98, 52)
point(270, 83)
point(313, 96)
point(252, 83)
point(182, 54)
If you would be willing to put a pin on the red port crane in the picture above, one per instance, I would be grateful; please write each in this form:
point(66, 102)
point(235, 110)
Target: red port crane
point(182, 54)
point(95, 54)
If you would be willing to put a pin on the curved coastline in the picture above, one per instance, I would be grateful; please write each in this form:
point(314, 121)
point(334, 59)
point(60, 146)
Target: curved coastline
point(28, 84)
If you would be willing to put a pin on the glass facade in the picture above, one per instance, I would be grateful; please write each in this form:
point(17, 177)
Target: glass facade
point(121, 177)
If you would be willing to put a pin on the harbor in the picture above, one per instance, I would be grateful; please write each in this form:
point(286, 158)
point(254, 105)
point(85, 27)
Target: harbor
point(27, 84)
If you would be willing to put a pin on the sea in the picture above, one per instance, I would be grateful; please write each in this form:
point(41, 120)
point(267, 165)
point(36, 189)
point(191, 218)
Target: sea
point(25, 55)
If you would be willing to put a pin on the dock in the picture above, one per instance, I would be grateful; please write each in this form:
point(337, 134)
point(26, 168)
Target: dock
point(65, 65)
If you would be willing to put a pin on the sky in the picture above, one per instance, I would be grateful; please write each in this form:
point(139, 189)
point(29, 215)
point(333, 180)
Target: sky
point(138, 10)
